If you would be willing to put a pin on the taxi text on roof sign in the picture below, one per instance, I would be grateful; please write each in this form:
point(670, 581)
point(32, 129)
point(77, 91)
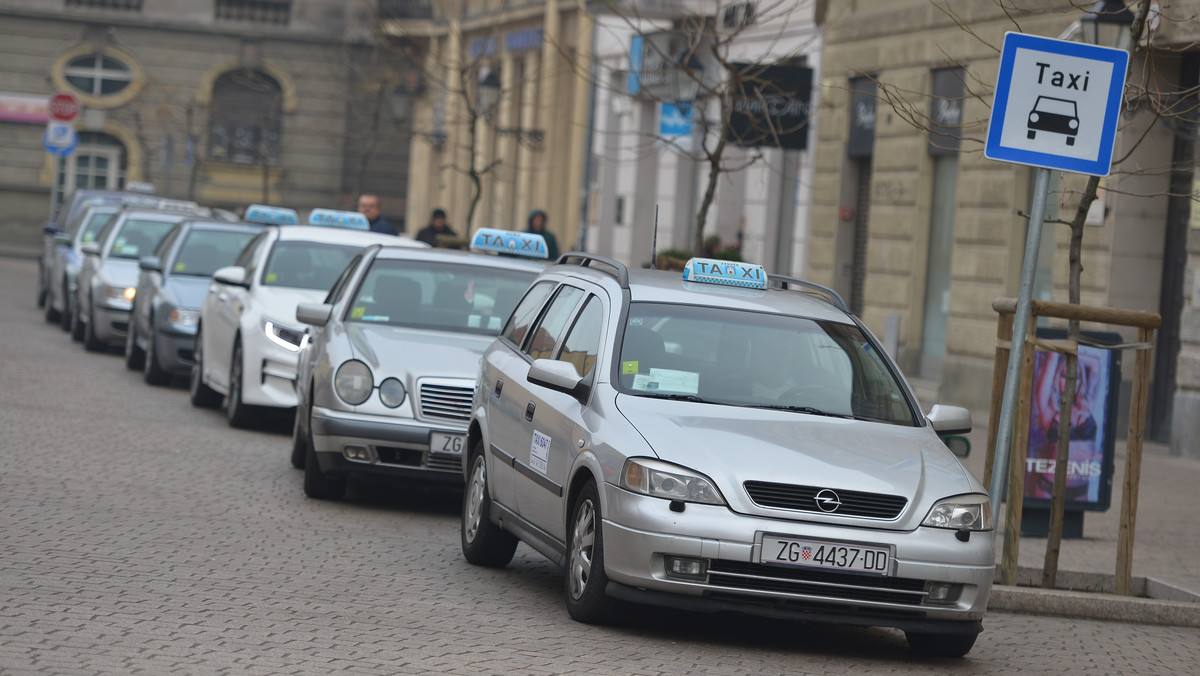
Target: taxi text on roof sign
point(728, 273)
point(338, 219)
point(261, 213)
point(525, 244)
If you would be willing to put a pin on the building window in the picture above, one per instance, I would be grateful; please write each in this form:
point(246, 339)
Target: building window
point(277, 12)
point(405, 9)
point(129, 5)
point(245, 119)
point(98, 74)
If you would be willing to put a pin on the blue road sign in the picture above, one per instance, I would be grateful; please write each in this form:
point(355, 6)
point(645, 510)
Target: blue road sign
point(1056, 104)
point(60, 139)
point(675, 120)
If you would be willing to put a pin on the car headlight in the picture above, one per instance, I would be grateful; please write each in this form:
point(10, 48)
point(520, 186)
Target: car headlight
point(391, 392)
point(125, 293)
point(962, 512)
point(184, 317)
point(353, 382)
point(282, 335)
point(670, 482)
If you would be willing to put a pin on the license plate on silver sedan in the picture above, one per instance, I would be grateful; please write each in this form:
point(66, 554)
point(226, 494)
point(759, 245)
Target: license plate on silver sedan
point(449, 444)
point(844, 556)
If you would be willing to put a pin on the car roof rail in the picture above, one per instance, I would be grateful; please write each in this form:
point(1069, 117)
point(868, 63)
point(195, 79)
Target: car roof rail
point(811, 288)
point(619, 271)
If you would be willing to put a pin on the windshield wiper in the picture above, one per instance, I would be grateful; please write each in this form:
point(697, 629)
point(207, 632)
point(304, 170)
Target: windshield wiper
point(680, 397)
point(800, 409)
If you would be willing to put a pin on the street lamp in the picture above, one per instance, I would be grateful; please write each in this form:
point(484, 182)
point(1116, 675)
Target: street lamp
point(403, 100)
point(685, 78)
point(489, 92)
point(1107, 24)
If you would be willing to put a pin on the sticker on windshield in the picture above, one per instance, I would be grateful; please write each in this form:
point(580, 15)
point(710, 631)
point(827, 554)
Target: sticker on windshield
point(629, 367)
point(668, 381)
point(358, 312)
point(271, 276)
point(539, 451)
point(376, 318)
point(180, 266)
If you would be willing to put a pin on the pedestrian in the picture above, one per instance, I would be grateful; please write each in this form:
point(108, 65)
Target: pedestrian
point(437, 227)
point(368, 205)
point(537, 225)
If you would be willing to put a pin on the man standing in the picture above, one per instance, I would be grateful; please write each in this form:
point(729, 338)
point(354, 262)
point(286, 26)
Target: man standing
point(368, 205)
point(537, 225)
point(437, 226)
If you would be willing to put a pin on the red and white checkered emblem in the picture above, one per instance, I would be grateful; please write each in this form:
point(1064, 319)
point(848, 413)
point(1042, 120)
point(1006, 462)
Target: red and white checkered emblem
point(806, 553)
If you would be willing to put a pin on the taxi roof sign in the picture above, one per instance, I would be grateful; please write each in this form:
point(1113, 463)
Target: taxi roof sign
point(726, 273)
point(269, 215)
point(525, 244)
point(338, 219)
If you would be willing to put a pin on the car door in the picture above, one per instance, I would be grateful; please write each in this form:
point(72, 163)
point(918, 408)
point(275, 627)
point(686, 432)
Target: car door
point(557, 427)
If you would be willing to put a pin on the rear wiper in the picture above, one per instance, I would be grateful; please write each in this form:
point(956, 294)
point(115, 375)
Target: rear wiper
point(800, 409)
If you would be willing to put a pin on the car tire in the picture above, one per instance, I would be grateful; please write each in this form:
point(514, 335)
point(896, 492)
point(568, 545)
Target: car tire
point(202, 395)
point(51, 314)
point(135, 357)
point(64, 317)
point(77, 325)
point(317, 484)
point(940, 645)
point(41, 287)
point(301, 425)
point(236, 411)
point(152, 372)
point(483, 542)
point(585, 579)
point(90, 342)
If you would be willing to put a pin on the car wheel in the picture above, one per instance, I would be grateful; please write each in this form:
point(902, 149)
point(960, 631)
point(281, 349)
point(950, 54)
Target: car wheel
point(318, 485)
point(236, 411)
point(64, 317)
point(585, 583)
point(135, 357)
point(76, 322)
point(152, 372)
point(300, 426)
point(90, 342)
point(51, 314)
point(940, 645)
point(202, 395)
point(41, 289)
point(483, 542)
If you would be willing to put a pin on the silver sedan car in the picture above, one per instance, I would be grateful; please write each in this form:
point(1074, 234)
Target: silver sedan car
point(387, 373)
point(722, 441)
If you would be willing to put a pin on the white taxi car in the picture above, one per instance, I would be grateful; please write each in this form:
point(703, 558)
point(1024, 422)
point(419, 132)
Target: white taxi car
point(722, 441)
point(247, 338)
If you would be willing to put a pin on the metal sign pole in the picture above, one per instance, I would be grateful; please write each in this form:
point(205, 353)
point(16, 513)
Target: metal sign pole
point(54, 187)
point(1008, 404)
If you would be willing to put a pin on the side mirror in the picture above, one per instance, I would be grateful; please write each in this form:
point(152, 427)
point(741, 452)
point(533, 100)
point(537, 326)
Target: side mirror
point(50, 228)
point(150, 264)
point(233, 275)
point(947, 420)
point(557, 375)
point(316, 314)
point(92, 249)
point(61, 238)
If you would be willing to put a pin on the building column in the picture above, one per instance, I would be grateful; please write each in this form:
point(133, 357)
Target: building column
point(526, 158)
point(572, 218)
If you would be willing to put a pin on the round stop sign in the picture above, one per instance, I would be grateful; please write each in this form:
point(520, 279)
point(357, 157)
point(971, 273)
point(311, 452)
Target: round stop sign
point(64, 107)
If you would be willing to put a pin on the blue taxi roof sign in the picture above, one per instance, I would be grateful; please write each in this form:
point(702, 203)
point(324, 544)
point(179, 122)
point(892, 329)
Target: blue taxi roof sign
point(525, 244)
point(726, 273)
point(269, 215)
point(338, 219)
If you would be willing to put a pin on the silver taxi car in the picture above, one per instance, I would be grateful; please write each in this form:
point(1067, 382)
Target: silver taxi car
point(387, 373)
point(722, 441)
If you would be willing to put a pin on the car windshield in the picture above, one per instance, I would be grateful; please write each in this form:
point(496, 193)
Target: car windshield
point(306, 265)
point(755, 359)
point(1046, 104)
point(139, 237)
point(441, 296)
point(94, 222)
point(206, 250)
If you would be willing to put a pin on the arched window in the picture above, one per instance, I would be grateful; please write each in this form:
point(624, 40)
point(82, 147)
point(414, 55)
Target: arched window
point(98, 162)
point(98, 74)
point(245, 121)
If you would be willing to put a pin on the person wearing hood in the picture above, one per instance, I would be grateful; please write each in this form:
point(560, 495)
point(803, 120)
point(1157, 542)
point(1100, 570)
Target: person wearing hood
point(437, 226)
point(537, 225)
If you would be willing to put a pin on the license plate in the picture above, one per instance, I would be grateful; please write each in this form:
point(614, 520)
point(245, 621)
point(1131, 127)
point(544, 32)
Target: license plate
point(450, 444)
point(844, 556)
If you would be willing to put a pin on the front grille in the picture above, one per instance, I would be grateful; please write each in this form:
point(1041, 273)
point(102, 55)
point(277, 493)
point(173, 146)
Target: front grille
point(446, 463)
point(836, 585)
point(446, 402)
point(804, 499)
point(390, 455)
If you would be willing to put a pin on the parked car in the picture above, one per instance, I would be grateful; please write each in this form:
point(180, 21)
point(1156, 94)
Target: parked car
point(722, 441)
point(247, 339)
point(387, 375)
point(108, 276)
point(61, 260)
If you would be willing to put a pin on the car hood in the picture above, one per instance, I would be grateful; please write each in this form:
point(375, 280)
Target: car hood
point(279, 302)
point(119, 272)
point(415, 353)
point(186, 292)
point(732, 445)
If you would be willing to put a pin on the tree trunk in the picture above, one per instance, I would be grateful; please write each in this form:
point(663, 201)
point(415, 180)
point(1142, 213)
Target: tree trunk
point(714, 174)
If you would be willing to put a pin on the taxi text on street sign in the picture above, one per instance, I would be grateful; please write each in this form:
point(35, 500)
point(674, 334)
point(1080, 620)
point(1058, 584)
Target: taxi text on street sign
point(1056, 104)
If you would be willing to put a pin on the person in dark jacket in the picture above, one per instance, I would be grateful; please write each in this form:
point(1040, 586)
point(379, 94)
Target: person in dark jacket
point(368, 205)
point(437, 226)
point(537, 225)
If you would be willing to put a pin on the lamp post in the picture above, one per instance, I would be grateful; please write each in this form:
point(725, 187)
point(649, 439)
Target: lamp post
point(1107, 24)
point(403, 100)
point(489, 100)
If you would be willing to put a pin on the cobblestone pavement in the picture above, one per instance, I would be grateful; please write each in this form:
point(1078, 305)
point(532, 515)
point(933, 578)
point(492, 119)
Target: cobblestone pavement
point(139, 535)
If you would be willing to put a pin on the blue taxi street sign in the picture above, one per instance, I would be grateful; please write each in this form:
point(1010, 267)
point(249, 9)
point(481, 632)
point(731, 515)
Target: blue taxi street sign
point(1056, 104)
point(60, 139)
point(338, 219)
point(727, 273)
point(262, 213)
point(494, 240)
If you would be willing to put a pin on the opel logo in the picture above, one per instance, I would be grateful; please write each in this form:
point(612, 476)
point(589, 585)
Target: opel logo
point(828, 501)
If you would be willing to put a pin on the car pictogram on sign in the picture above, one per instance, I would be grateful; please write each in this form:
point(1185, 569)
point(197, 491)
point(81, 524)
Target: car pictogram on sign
point(1059, 116)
